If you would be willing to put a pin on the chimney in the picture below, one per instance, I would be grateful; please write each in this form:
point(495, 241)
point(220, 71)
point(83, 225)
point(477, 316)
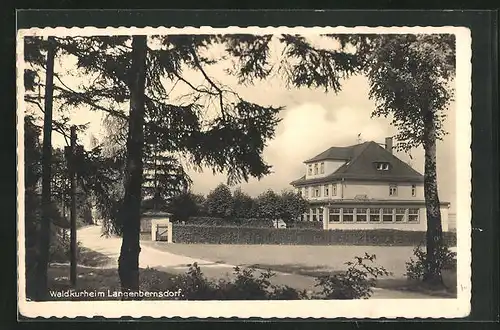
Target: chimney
point(388, 144)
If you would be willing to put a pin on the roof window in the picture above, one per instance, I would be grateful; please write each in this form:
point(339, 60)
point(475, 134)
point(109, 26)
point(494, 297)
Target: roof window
point(382, 166)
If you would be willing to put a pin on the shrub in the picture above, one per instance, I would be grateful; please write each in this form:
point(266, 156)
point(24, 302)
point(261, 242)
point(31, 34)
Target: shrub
point(415, 268)
point(245, 286)
point(299, 236)
point(356, 282)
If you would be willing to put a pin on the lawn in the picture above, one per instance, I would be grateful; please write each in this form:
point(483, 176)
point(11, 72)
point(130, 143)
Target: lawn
point(300, 259)
point(309, 261)
point(98, 273)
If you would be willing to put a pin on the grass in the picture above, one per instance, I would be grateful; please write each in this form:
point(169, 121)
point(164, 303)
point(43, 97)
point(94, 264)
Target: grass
point(313, 261)
point(309, 259)
point(98, 274)
point(103, 283)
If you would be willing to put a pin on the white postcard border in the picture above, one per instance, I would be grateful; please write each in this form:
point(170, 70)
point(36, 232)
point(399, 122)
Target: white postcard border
point(375, 308)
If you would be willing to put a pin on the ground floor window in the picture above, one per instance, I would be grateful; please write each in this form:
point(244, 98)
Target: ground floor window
point(314, 214)
point(334, 215)
point(374, 215)
point(400, 215)
point(361, 215)
point(413, 215)
point(387, 215)
point(348, 215)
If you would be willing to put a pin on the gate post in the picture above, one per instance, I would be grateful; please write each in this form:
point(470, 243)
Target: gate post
point(153, 219)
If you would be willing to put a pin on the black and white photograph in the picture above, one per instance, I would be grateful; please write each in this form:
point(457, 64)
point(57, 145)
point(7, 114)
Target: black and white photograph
point(209, 172)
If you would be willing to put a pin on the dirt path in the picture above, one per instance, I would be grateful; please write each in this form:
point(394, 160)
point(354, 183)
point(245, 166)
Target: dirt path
point(91, 238)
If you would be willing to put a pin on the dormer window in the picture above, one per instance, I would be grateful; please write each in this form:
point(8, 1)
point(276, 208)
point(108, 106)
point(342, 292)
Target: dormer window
point(382, 166)
point(322, 168)
point(315, 169)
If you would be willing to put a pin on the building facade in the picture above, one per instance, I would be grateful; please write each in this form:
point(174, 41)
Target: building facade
point(364, 186)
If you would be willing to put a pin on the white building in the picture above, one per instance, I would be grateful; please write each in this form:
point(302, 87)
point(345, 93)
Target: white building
point(364, 186)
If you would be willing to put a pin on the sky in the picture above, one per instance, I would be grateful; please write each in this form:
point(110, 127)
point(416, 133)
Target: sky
point(312, 121)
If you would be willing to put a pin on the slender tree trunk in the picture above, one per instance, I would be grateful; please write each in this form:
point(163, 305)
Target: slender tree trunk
point(128, 268)
point(434, 235)
point(43, 257)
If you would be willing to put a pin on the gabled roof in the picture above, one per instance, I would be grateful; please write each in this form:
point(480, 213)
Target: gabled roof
point(338, 153)
point(360, 164)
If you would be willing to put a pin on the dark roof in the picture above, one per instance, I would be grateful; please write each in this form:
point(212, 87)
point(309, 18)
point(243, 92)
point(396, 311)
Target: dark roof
point(361, 165)
point(338, 153)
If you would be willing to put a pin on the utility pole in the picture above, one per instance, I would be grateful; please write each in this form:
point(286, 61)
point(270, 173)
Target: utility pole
point(72, 171)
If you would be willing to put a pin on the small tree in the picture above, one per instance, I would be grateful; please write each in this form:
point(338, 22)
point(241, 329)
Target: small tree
point(220, 201)
point(242, 205)
point(183, 206)
point(292, 205)
point(269, 205)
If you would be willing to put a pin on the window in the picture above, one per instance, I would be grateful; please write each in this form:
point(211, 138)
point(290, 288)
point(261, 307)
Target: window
point(413, 190)
point(334, 215)
point(306, 192)
point(413, 215)
point(374, 215)
point(334, 189)
point(315, 214)
point(322, 168)
point(320, 214)
point(383, 166)
point(326, 191)
point(307, 216)
point(393, 190)
point(400, 215)
point(317, 192)
point(348, 215)
point(310, 170)
point(387, 215)
point(361, 215)
point(315, 169)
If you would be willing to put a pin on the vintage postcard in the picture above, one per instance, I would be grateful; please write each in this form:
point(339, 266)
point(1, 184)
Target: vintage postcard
point(279, 172)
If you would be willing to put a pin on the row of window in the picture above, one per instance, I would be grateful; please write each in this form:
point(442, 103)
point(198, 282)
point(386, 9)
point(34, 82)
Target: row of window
point(352, 214)
point(317, 170)
point(317, 191)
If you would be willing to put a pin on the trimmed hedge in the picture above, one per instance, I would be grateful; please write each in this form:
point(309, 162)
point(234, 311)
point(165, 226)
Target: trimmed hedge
point(305, 224)
point(298, 236)
point(221, 222)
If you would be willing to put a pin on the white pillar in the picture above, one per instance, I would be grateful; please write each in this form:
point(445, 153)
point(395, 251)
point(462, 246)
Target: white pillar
point(325, 217)
point(154, 227)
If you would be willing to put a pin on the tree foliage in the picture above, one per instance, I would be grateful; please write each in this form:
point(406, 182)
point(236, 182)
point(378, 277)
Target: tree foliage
point(293, 205)
point(410, 80)
point(269, 205)
point(220, 201)
point(243, 205)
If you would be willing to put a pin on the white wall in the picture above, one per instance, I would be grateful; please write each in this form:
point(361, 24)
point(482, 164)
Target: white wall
point(373, 190)
point(330, 167)
point(332, 193)
point(380, 190)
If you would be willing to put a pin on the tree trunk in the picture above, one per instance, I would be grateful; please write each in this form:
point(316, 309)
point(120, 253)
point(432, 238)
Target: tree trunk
point(128, 268)
point(434, 235)
point(43, 257)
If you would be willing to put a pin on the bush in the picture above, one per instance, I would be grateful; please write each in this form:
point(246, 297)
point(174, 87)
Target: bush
point(295, 236)
point(355, 283)
point(415, 268)
point(246, 286)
